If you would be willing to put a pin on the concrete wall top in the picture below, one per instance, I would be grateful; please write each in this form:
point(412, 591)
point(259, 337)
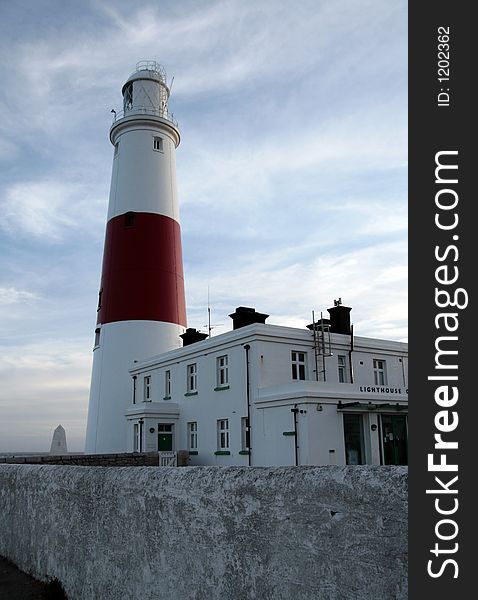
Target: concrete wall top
point(205, 533)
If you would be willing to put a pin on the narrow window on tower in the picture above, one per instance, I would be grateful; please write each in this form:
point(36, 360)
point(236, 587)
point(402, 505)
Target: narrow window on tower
point(97, 337)
point(116, 148)
point(147, 388)
point(129, 219)
point(100, 293)
point(298, 365)
point(158, 144)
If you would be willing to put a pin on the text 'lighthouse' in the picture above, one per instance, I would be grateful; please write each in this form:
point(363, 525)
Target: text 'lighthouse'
point(141, 307)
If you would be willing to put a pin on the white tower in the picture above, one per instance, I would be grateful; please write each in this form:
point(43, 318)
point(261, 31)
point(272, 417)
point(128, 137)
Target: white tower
point(58, 442)
point(141, 307)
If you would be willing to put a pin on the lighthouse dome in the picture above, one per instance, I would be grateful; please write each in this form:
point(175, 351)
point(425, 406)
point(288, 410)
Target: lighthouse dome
point(146, 91)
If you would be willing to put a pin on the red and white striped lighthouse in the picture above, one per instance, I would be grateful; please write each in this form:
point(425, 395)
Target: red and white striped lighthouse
point(141, 307)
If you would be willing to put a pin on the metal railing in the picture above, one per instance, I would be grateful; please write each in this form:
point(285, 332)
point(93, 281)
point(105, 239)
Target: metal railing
point(168, 459)
point(140, 110)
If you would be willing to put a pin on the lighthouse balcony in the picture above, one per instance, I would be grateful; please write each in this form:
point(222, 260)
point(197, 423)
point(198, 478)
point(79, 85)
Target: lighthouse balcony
point(144, 111)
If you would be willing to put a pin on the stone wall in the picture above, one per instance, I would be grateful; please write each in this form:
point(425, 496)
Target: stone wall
point(206, 533)
point(133, 459)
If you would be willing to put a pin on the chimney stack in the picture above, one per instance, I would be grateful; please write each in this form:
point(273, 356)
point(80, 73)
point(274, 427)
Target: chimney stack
point(191, 336)
point(339, 318)
point(245, 315)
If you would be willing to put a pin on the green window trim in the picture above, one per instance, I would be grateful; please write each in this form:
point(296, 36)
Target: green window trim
point(221, 387)
point(222, 453)
point(245, 452)
point(191, 394)
point(288, 433)
point(193, 452)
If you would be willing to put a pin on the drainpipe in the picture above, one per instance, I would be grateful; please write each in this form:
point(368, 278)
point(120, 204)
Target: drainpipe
point(351, 366)
point(295, 410)
point(248, 396)
point(134, 389)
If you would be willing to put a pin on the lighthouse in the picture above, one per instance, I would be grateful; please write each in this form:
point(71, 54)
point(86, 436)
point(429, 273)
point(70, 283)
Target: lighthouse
point(141, 305)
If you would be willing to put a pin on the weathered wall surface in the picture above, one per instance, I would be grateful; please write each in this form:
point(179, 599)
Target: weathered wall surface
point(206, 533)
point(129, 459)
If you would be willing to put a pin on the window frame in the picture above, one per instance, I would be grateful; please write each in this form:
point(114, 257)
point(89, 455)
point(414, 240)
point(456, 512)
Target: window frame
point(192, 435)
point(222, 371)
point(147, 388)
point(167, 384)
point(342, 368)
point(158, 144)
point(380, 369)
point(191, 378)
point(296, 365)
point(223, 436)
point(245, 434)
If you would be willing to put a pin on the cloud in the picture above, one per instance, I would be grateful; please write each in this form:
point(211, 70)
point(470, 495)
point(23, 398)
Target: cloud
point(46, 209)
point(11, 295)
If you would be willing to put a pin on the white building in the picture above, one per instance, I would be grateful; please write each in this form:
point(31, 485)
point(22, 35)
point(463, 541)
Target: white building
point(272, 395)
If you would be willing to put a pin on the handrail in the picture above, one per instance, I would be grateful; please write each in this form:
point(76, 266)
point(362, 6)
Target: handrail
point(144, 111)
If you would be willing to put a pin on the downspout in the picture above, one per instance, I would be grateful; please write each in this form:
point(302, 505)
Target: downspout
point(295, 410)
point(134, 389)
point(351, 365)
point(248, 396)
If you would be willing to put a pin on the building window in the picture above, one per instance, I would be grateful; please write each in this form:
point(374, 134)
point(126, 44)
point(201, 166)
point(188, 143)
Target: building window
point(245, 434)
point(158, 144)
point(97, 337)
point(298, 365)
point(342, 368)
point(167, 384)
point(222, 371)
point(223, 434)
point(379, 372)
point(116, 148)
point(100, 294)
point(147, 388)
point(129, 219)
point(192, 436)
point(138, 436)
point(353, 437)
point(192, 383)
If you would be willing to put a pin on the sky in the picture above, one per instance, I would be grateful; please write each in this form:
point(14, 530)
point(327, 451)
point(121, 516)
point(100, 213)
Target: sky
point(292, 174)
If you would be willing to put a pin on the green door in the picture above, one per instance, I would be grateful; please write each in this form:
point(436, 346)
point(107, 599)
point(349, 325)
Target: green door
point(165, 437)
point(394, 437)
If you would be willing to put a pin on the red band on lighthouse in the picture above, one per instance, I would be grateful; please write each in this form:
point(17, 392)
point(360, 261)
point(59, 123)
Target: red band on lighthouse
point(142, 277)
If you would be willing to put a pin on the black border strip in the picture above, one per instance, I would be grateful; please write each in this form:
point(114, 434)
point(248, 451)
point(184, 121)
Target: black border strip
point(441, 124)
